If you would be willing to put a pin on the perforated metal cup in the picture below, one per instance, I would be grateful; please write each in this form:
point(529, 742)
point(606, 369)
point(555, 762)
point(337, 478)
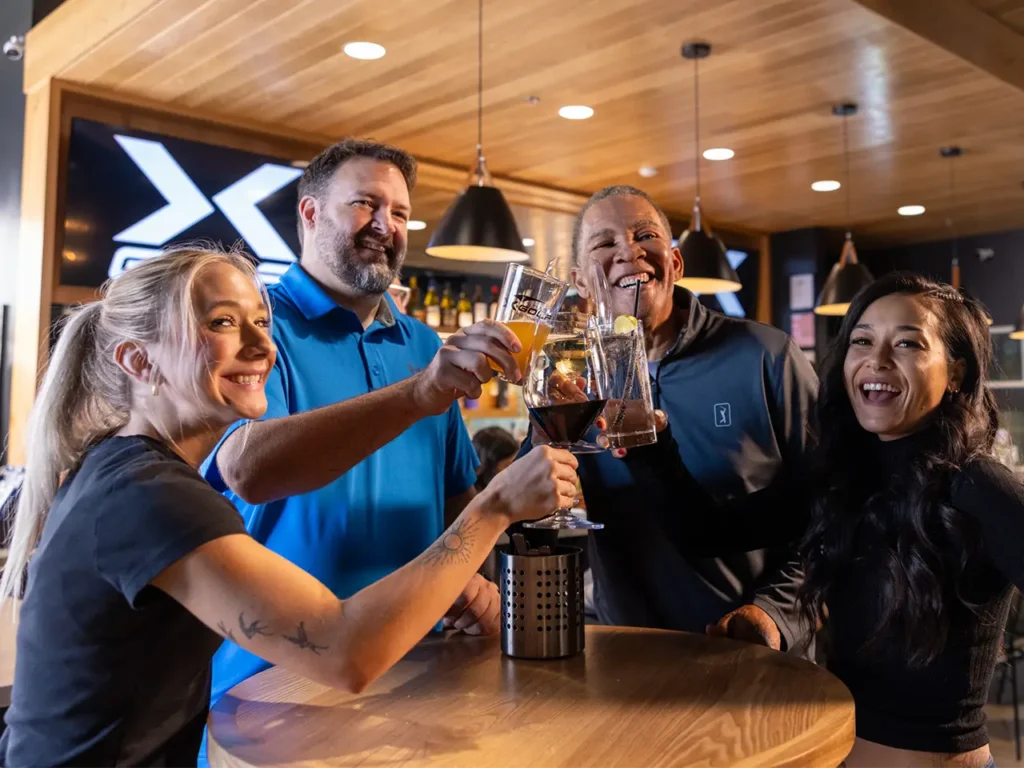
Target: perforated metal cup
point(542, 604)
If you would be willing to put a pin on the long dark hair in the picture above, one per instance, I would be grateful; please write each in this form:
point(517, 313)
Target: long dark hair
point(928, 543)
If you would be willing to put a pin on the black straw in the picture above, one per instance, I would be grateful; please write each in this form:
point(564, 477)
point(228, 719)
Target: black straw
point(636, 300)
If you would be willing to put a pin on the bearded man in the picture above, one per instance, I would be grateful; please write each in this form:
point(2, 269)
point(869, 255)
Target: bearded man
point(362, 453)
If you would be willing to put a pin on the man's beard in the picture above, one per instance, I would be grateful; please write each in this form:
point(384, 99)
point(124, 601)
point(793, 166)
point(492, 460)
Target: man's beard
point(339, 252)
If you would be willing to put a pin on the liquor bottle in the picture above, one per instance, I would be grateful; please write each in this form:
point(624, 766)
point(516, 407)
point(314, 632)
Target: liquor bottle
point(465, 310)
point(432, 307)
point(479, 305)
point(449, 313)
point(493, 309)
point(416, 308)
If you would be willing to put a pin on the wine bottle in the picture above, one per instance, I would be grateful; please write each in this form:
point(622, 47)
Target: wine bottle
point(449, 312)
point(416, 308)
point(479, 305)
point(432, 307)
point(465, 310)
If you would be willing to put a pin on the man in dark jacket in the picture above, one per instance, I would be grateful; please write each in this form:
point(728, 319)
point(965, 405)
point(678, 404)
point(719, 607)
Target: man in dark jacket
point(737, 395)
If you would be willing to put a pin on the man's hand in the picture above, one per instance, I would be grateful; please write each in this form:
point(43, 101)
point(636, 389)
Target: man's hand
point(461, 368)
point(478, 609)
point(749, 624)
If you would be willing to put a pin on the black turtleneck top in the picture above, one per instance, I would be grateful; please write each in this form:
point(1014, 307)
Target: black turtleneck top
point(931, 708)
point(936, 707)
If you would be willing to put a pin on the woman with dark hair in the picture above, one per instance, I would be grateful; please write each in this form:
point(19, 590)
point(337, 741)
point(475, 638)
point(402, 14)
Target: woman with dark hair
point(914, 543)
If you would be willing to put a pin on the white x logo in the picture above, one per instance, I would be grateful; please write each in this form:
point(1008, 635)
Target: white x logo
point(186, 206)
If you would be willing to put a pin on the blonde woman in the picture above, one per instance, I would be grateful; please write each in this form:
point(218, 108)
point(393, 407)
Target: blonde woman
point(139, 568)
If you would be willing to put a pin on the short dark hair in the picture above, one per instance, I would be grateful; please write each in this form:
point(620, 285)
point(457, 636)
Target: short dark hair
point(618, 190)
point(322, 168)
point(493, 445)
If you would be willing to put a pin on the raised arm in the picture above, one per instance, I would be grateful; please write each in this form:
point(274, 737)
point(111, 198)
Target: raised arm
point(267, 460)
point(700, 526)
point(274, 609)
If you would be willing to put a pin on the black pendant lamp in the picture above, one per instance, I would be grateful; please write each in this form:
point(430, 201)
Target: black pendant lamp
point(479, 225)
point(848, 275)
point(706, 269)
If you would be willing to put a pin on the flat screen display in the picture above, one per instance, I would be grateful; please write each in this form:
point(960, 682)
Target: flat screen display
point(129, 193)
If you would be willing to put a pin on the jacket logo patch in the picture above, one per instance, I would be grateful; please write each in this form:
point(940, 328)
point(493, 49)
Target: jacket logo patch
point(723, 415)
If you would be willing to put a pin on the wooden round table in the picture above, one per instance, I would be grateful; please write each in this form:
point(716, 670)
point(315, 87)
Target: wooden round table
point(635, 697)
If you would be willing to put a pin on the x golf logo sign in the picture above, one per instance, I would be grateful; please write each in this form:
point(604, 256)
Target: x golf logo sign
point(187, 206)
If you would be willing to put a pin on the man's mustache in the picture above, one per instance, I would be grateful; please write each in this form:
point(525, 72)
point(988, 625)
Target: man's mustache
point(372, 242)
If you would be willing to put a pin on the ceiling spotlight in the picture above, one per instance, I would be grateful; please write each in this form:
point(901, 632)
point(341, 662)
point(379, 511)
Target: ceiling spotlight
point(647, 171)
point(719, 153)
point(910, 210)
point(576, 112)
point(825, 186)
point(364, 51)
point(415, 225)
point(528, 241)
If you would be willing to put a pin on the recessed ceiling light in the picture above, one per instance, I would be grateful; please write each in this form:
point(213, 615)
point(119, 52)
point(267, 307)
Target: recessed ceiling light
point(528, 241)
point(719, 153)
point(416, 224)
point(577, 112)
point(365, 51)
point(910, 210)
point(647, 171)
point(825, 186)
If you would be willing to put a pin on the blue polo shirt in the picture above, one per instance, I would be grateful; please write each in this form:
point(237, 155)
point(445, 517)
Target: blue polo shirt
point(387, 509)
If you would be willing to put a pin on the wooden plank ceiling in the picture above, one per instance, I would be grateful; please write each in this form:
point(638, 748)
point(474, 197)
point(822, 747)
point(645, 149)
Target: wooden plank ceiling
point(766, 93)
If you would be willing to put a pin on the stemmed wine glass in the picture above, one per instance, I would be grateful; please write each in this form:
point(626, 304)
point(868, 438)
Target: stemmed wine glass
point(566, 390)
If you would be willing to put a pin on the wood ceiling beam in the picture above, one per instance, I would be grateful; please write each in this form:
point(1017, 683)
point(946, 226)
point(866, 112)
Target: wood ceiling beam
point(961, 29)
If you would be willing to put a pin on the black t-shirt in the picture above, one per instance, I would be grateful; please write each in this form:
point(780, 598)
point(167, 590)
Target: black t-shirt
point(109, 670)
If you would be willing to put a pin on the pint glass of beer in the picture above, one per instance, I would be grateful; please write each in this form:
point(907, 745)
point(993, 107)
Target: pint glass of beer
point(528, 305)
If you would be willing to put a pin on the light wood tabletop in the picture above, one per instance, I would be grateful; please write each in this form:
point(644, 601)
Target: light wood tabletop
point(635, 697)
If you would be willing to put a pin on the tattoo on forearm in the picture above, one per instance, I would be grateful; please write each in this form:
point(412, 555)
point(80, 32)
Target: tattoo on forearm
point(226, 632)
point(454, 546)
point(251, 630)
point(302, 640)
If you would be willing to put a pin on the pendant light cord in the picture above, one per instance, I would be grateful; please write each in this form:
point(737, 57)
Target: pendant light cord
point(480, 82)
point(952, 201)
point(696, 121)
point(846, 154)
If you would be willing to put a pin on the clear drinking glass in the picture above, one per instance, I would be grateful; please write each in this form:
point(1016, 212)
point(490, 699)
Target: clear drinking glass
point(566, 390)
point(528, 304)
point(630, 409)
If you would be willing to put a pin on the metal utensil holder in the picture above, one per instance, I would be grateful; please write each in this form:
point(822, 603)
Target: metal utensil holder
point(542, 603)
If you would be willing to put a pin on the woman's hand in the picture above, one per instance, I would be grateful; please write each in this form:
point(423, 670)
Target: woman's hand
point(660, 423)
point(537, 484)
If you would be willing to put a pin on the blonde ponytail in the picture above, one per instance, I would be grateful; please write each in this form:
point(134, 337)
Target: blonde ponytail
point(85, 397)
